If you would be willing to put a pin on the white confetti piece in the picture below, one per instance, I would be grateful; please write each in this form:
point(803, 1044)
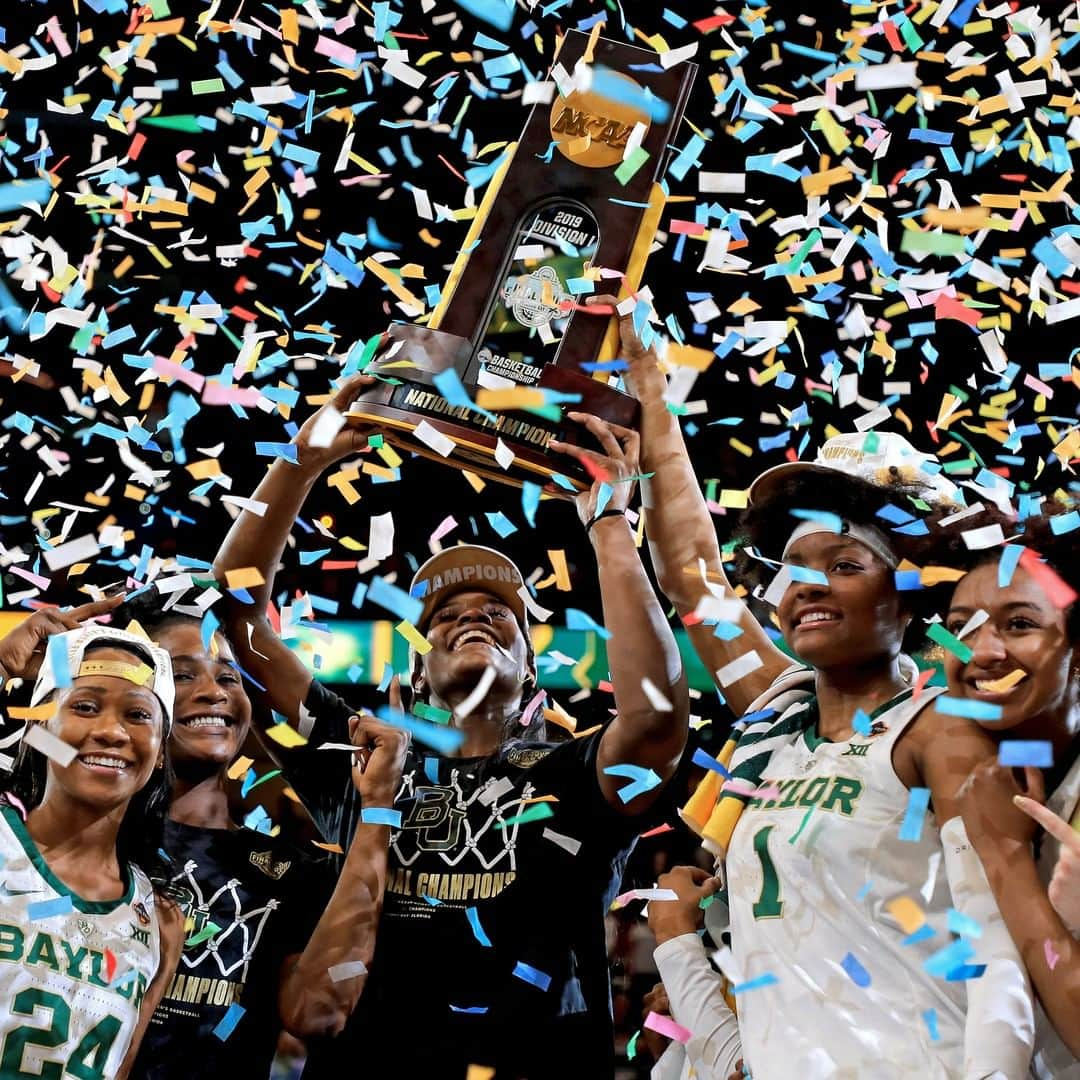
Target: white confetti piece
point(381, 536)
point(495, 789)
point(656, 698)
point(80, 550)
point(567, 843)
point(330, 422)
point(886, 76)
point(503, 455)
point(739, 668)
point(37, 736)
point(349, 970)
point(478, 694)
point(433, 438)
point(987, 537)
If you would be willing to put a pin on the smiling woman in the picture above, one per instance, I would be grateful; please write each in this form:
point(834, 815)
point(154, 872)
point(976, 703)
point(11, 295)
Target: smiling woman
point(91, 940)
point(1018, 619)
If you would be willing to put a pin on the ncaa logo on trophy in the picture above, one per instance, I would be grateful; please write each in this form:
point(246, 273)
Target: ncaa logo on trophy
point(578, 193)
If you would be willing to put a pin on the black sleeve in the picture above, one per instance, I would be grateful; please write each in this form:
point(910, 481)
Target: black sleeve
point(322, 778)
point(569, 772)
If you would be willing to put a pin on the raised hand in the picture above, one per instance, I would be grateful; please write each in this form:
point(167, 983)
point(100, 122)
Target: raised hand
point(655, 1001)
point(22, 651)
point(672, 918)
point(349, 439)
point(616, 466)
point(644, 376)
point(1064, 890)
point(380, 756)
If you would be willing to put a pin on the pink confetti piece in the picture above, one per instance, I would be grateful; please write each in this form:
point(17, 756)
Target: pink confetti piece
point(1052, 956)
point(34, 579)
point(171, 369)
point(335, 50)
point(667, 1027)
point(530, 709)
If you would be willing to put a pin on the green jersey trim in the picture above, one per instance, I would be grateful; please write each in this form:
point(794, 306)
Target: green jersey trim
point(87, 907)
point(814, 740)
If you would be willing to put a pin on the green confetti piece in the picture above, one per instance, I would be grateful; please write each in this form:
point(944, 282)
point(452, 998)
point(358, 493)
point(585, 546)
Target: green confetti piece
point(938, 633)
point(536, 812)
point(262, 779)
point(208, 86)
point(631, 1046)
point(935, 243)
point(637, 157)
point(432, 713)
point(186, 122)
point(205, 934)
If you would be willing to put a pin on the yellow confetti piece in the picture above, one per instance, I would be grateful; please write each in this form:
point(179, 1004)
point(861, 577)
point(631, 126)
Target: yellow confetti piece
point(562, 573)
point(689, 355)
point(286, 736)
point(413, 637)
point(734, 498)
point(245, 578)
point(557, 715)
point(522, 397)
point(935, 575)
point(907, 913)
point(239, 767)
point(335, 849)
point(475, 482)
point(38, 712)
point(1007, 682)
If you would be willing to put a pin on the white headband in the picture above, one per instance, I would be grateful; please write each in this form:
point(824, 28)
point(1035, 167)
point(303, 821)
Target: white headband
point(869, 536)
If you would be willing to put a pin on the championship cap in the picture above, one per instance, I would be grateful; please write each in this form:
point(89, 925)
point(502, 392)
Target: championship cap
point(869, 456)
point(65, 660)
point(465, 568)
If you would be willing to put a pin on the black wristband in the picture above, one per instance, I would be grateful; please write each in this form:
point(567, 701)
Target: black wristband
point(601, 516)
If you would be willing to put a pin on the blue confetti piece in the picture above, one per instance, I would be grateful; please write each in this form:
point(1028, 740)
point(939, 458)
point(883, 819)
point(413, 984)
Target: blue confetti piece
point(58, 657)
point(1010, 557)
point(534, 976)
point(580, 620)
point(642, 780)
point(249, 780)
point(855, 971)
point(47, 909)
point(431, 769)
point(501, 523)
point(12, 196)
point(208, 629)
point(381, 815)
point(227, 1024)
point(474, 921)
point(445, 740)
point(497, 13)
point(530, 500)
point(472, 1010)
point(925, 931)
point(862, 723)
point(911, 826)
point(1063, 523)
point(807, 575)
point(971, 710)
point(965, 972)
point(954, 955)
point(930, 1019)
point(433, 901)
point(907, 580)
point(768, 979)
point(1019, 752)
point(706, 761)
point(386, 678)
point(388, 596)
point(833, 522)
point(962, 924)
point(727, 631)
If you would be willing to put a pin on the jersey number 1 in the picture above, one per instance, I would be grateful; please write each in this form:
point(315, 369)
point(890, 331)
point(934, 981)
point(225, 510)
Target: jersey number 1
point(769, 905)
point(87, 1060)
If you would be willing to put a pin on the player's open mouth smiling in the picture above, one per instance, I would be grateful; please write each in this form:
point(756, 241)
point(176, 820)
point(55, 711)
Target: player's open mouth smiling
point(813, 617)
point(104, 763)
point(210, 721)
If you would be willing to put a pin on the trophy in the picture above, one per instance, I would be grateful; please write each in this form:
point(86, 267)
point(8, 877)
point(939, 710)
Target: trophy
point(578, 192)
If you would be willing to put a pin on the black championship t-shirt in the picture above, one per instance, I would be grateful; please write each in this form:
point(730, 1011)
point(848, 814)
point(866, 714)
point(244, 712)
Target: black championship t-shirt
point(251, 900)
point(490, 950)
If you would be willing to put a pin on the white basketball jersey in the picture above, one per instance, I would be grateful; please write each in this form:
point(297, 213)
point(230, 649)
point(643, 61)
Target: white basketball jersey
point(72, 972)
point(810, 870)
point(1053, 1060)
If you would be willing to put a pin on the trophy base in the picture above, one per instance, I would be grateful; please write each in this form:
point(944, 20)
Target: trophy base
point(399, 409)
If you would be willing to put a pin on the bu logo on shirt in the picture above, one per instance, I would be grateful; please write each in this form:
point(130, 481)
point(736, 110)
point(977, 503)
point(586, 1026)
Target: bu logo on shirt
point(435, 818)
